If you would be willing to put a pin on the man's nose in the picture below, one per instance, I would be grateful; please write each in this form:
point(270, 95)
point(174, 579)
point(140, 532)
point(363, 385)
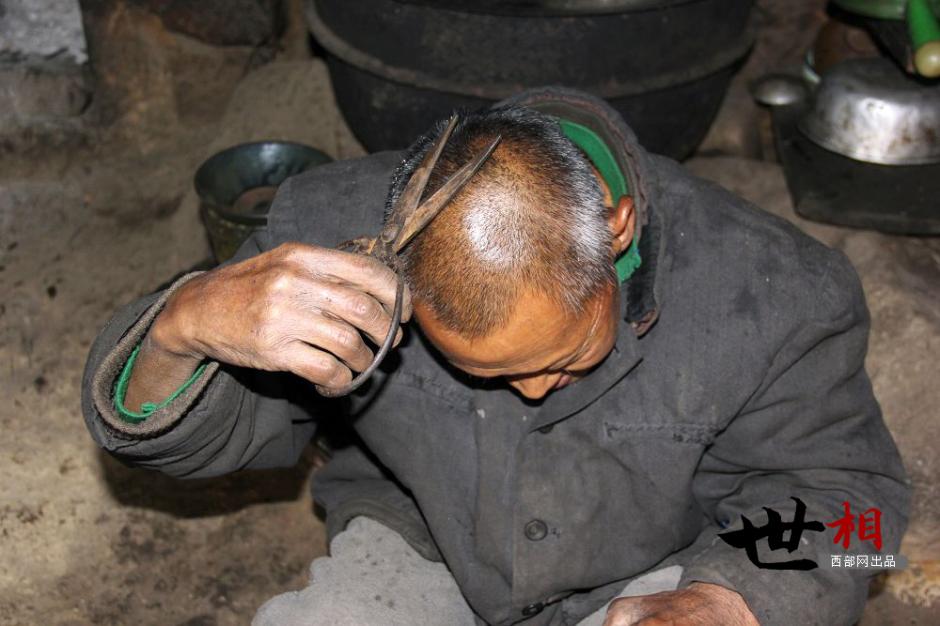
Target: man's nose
point(534, 387)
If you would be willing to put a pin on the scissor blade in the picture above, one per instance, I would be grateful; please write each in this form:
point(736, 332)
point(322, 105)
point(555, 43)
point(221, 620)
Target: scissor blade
point(408, 201)
point(429, 209)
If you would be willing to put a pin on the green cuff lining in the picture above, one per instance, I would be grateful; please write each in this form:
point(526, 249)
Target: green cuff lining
point(146, 408)
point(605, 162)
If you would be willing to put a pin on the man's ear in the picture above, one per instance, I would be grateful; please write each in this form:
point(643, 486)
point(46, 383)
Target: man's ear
point(622, 222)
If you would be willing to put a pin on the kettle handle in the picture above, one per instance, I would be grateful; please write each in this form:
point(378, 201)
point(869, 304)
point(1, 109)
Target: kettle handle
point(925, 37)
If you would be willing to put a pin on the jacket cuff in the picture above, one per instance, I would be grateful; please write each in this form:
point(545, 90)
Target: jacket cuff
point(147, 408)
point(105, 378)
point(774, 596)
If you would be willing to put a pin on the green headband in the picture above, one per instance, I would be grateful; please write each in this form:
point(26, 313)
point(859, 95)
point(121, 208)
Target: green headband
point(603, 159)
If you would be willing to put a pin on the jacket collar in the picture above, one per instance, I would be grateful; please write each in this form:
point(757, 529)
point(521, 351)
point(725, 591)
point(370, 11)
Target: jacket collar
point(639, 293)
point(623, 358)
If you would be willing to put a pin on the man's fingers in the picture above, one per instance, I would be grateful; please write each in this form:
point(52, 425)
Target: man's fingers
point(361, 272)
point(348, 304)
point(317, 366)
point(618, 619)
point(625, 612)
point(336, 337)
point(375, 278)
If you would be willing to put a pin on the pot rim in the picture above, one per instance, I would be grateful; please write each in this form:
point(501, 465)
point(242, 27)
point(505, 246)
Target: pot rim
point(549, 8)
point(360, 59)
point(858, 110)
point(208, 198)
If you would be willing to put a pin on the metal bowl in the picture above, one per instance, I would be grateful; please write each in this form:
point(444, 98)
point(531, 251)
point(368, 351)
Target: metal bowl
point(869, 110)
point(227, 177)
point(236, 187)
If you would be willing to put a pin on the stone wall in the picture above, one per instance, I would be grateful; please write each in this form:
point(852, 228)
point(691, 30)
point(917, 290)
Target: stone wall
point(42, 61)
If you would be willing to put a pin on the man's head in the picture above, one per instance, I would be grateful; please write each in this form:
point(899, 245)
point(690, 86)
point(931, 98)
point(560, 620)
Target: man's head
point(515, 277)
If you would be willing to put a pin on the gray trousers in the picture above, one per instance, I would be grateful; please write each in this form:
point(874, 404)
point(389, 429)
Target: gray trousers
point(374, 578)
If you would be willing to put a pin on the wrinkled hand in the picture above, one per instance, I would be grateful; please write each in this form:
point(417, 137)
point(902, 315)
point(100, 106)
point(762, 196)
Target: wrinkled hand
point(699, 604)
point(296, 308)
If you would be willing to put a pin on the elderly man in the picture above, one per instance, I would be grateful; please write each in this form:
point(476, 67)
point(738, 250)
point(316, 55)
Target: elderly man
point(616, 362)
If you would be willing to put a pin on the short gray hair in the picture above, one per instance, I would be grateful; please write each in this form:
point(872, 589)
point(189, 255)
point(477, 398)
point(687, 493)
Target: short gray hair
point(533, 218)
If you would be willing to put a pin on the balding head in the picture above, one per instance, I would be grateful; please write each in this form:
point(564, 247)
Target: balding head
point(532, 220)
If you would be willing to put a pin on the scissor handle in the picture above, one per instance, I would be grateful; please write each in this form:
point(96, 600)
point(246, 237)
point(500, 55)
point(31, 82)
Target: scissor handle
point(363, 376)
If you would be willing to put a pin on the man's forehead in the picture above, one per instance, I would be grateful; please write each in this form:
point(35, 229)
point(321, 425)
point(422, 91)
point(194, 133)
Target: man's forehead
point(538, 333)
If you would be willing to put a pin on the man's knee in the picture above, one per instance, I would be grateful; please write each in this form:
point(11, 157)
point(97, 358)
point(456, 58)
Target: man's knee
point(372, 577)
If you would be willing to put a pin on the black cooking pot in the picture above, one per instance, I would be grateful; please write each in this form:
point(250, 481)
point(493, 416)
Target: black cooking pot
point(398, 65)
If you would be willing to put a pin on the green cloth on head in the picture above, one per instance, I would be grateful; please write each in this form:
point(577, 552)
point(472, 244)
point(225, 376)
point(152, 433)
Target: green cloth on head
point(605, 162)
point(146, 408)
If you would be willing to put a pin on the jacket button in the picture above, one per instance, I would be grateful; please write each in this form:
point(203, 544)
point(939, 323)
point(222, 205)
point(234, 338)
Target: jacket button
point(533, 609)
point(536, 530)
point(546, 429)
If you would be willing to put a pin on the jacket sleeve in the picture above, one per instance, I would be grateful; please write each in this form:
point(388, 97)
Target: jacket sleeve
point(229, 419)
point(355, 483)
point(814, 431)
point(235, 418)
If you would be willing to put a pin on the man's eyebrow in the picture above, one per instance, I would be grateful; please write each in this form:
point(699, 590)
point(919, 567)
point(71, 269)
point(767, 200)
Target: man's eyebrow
point(474, 368)
point(477, 374)
point(557, 364)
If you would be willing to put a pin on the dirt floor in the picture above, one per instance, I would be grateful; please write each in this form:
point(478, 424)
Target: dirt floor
point(94, 215)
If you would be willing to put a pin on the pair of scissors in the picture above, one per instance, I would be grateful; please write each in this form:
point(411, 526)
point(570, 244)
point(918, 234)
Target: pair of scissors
point(407, 218)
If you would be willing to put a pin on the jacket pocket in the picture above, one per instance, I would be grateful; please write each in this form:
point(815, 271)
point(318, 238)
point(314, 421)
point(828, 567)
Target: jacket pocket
point(694, 434)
